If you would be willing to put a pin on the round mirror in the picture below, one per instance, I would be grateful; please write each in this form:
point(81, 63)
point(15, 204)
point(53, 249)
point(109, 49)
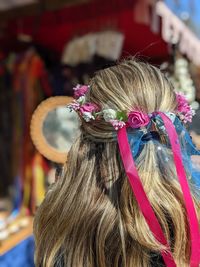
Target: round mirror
point(54, 128)
point(60, 128)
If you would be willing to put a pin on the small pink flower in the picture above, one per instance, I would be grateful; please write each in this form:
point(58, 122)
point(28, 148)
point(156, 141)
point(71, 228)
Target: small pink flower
point(74, 106)
point(137, 119)
point(188, 116)
point(117, 124)
point(183, 105)
point(184, 110)
point(89, 107)
point(80, 90)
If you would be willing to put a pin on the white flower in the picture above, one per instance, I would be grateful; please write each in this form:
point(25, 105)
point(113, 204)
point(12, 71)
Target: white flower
point(81, 99)
point(87, 116)
point(109, 114)
point(193, 111)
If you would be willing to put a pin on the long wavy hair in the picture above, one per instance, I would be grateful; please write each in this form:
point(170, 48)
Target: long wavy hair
point(89, 217)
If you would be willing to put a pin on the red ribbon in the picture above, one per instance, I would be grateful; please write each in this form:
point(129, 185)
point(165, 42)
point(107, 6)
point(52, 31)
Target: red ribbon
point(141, 196)
point(191, 212)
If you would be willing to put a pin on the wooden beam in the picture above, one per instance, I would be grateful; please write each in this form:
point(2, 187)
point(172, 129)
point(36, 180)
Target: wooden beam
point(57, 4)
point(37, 8)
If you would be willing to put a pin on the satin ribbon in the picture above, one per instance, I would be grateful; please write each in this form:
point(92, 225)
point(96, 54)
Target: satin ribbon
point(141, 196)
point(144, 203)
point(191, 212)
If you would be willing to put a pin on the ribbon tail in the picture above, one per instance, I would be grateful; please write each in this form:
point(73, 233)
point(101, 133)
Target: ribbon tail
point(141, 196)
point(190, 208)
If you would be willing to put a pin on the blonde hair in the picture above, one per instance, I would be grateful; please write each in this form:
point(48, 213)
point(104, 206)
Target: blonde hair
point(90, 217)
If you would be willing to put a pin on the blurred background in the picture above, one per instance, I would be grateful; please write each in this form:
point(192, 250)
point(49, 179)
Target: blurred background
point(46, 48)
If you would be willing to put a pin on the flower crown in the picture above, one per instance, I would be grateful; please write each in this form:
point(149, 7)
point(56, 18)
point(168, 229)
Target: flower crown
point(119, 119)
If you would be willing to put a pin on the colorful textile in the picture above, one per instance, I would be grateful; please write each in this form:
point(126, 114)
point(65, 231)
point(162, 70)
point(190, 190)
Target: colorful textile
point(20, 256)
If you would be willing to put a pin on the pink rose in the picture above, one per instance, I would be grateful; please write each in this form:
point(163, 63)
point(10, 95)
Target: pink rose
point(80, 90)
point(89, 107)
point(137, 119)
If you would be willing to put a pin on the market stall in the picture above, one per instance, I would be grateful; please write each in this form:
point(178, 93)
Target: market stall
point(46, 48)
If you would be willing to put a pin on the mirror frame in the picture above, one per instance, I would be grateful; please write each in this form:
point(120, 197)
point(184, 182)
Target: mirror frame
point(36, 128)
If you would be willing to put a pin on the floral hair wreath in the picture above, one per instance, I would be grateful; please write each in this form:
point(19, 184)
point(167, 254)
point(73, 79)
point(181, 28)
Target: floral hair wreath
point(119, 119)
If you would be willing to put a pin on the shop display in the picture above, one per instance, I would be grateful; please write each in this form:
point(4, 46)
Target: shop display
point(175, 31)
point(23, 86)
point(43, 58)
point(106, 44)
point(182, 80)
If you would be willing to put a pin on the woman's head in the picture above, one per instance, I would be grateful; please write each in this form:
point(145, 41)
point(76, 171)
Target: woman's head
point(90, 217)
point(129, 85)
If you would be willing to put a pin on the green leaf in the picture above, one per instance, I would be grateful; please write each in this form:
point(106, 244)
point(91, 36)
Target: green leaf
point(122, 115)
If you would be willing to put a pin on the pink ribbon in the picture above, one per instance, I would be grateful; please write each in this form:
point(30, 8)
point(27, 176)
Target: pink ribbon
point(144, 203)
point(191, 212)
point(141, 196)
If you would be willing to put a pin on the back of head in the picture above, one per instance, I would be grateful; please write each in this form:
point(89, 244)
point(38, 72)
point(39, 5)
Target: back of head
point(90, 217)
point(130, 84)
